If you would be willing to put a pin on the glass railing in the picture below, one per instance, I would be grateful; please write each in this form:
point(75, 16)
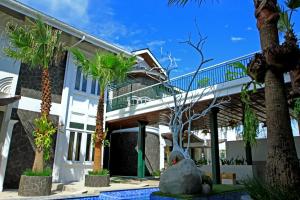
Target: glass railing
point(208, 76)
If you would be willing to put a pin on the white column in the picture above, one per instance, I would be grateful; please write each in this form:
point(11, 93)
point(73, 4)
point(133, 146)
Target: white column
point(61, 141)
point(5, 150)
point(162, 144)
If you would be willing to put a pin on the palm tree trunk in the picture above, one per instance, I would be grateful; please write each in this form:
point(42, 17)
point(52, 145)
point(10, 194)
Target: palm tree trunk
point(38, 164)
point(99, 134)
point(282, 167)
point(46, 92)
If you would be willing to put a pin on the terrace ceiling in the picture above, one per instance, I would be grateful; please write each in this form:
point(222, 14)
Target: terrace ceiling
point(230, 112)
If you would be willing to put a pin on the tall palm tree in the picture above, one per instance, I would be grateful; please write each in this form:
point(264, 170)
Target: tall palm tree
point(283, 168)
point(36, 45)
point(105, 68)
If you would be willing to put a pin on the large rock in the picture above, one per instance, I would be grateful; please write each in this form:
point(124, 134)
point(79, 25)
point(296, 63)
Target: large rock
point(181, 178)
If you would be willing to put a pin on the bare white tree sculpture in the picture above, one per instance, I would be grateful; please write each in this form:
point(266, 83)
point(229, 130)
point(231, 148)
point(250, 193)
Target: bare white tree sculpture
point(182, 112)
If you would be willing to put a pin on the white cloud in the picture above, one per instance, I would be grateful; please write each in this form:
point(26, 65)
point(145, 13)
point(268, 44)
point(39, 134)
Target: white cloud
point(101, 22)
point(70, 11)
point(236, 39)
point(156, 43)
point(249, 28)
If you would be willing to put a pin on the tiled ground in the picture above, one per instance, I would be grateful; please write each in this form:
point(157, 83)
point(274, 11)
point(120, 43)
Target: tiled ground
point(77, 189)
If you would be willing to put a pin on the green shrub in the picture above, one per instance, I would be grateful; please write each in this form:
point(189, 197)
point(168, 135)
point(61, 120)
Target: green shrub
point(103, 172)
point(46, 172)
point(200, 162)
point(156, 173)
point(260, 190)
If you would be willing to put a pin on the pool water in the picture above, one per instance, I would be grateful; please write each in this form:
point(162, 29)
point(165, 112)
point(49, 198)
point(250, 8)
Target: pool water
point(132, 194)
point(145, 193)
point(138, 194)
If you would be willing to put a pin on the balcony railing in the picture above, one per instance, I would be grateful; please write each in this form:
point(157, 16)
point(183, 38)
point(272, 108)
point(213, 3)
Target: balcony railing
point(208, 76)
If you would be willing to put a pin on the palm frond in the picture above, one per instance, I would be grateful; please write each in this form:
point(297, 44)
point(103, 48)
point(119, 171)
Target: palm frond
point(81, 60)
point(284, 23)
point(103, 66)
point(292, 4)
point(36, 44)
point(182, 2)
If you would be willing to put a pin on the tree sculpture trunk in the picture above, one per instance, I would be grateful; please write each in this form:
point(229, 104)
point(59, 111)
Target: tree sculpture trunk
point(99, 134)
point(282, 164)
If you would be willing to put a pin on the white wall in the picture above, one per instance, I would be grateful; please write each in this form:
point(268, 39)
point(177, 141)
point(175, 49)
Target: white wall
point(259, 151)
point(9, 70)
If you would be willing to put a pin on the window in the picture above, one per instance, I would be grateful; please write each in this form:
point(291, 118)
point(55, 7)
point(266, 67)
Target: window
point(93, 88)
point(98, 91)
point(78, 145)
point(76, 125)
point(93, 152)
point(78, 79)
point(84, 83)
point(88, 147)
point(71, 144)
point(91, 127)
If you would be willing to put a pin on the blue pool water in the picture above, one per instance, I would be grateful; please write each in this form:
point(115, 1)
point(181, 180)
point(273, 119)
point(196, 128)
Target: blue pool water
point(144, 194)
point(133, 194)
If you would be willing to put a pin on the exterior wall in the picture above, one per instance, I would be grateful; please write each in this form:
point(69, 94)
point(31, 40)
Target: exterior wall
point(259, 151)
point(242, 171)
point(123, 153)
point(140, 81)
point(21, 152)
point(9, 70)
point(31, 87)
point(80, 108)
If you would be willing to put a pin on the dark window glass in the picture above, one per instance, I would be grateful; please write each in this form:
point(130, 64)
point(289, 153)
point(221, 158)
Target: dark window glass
point(76, 125)
point(84, 83)
point(91, 127)
point(98, 91)
point(93, 152)
point(71, 144)
point(78, 78)
point(88, 147)
point(93, 89)
point(78, 145)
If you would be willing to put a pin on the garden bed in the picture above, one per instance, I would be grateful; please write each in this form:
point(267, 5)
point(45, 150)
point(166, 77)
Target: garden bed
point(228, 192)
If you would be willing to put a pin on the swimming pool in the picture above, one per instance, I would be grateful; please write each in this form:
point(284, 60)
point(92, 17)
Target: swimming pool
point(145, 193)
point(132, 194)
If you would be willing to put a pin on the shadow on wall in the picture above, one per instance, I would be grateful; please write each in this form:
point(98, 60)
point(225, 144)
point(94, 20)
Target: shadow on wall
point(123, 154)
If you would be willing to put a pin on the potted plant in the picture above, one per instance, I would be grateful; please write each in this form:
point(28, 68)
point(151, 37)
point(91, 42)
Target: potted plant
point(105, 68)
point(38, 181)
point(38, 46)
point(97, 179)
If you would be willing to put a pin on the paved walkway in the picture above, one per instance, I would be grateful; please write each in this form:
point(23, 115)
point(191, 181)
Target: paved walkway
point(77, 189)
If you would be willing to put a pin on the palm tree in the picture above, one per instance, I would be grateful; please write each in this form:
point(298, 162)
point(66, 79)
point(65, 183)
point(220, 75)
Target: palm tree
point(36, 45)
point(283, 168)
point(105, 68)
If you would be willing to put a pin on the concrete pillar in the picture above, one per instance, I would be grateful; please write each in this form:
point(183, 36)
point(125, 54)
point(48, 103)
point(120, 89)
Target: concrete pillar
point(5, 150)
point(141, 149)
point(215, 145)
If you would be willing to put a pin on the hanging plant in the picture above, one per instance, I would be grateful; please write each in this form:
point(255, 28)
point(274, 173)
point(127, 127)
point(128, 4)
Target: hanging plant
point(296, 108)
point(251, 122)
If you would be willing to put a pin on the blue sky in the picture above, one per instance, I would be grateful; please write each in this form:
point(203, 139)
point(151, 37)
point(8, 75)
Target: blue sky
point(229, 26)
